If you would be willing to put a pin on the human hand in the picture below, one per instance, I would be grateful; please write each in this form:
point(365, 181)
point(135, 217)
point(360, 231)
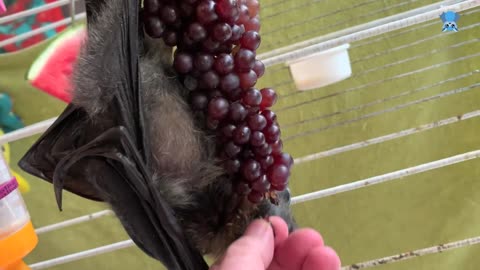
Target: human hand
point(270, 247)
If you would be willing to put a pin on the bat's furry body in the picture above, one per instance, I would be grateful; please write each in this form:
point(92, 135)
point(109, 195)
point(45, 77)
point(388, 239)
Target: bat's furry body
point(184, 167)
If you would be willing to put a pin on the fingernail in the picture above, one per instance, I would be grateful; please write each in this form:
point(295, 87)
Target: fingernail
point(271, 225)
point(259, 228)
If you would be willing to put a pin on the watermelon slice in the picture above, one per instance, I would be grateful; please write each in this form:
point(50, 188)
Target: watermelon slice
point(51, 71)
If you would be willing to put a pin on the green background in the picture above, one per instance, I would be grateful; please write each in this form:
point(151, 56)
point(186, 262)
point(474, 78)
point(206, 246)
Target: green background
point(419, 211)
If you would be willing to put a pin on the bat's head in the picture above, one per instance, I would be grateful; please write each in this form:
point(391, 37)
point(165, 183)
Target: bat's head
point(221, 216)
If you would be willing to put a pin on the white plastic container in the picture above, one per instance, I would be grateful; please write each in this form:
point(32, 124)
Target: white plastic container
point(13, 212)
point(322, 68)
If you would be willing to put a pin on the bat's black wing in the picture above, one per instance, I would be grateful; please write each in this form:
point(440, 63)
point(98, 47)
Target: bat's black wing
point(108, 160)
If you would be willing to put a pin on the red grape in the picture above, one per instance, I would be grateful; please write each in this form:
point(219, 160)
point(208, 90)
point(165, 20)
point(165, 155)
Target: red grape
point(252, 97)
point(261, 184)
point(232, 166)
point(218, 108)
point(253, 24)
point(257, 138)
point(277, 147)
point(244, 14)
point(206, 12)
point(278, 174)
point(190, 83)
point(210, 45)
point(210, 79)
point(227, 130)
point(269, 97)
point(253, 7)
point(186, 10)
point(203, 62)
point(241, 135)
point(272, 133)
point(265, 162)
point(231, 149)
point(154, 26)
point(223, 64)
point(222, 32)
point(244, 60)
point(227, 10)
point(170, 38)
point(257, 122)
point(237, 112)
point(237, 32)
point(263, 150)
point(152, 6)
point(169, 14)
point(235, 94)
point(183, 63)
point(229, 82)
point(259, 68)
point(247, 80)
point(284, 159)
point(199, 100)
point(251, 170)
point(270, 116)
point(250, 40)
point(196, 32)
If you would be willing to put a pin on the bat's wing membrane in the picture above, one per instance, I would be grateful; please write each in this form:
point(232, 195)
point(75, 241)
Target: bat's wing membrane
point(109, 163)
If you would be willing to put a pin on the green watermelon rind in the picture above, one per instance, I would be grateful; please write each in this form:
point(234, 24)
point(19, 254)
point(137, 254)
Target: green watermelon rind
point(43, 58)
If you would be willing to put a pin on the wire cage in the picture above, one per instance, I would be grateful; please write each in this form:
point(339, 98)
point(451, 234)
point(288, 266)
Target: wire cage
point(408, 112)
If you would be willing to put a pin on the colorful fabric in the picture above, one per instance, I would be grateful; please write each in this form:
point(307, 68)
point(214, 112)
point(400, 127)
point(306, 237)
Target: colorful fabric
point(29, 23)
point(3, 8)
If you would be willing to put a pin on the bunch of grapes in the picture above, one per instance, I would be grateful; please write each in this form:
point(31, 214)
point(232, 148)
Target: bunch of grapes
point(215, 56)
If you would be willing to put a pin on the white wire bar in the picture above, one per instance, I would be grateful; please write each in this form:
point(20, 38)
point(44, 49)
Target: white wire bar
point(363, 265)
point(82, 255)
point(379, 101)
point(371, 32)
point(388, 137)
point(416, 253)
point(34, 11)
point(41, 30)
point(381, 53)
point(378, 82)
point(401, 174)
point(355, 29)
point(406, 31)
point(381, 112)
point(73, 221)
point(27, 131)
point(72, 11)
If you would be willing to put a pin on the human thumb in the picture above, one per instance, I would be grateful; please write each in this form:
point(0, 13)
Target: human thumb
point(254, 250)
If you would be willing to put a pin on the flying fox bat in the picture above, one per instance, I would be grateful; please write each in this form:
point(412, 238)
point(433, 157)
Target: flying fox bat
point(129, 138)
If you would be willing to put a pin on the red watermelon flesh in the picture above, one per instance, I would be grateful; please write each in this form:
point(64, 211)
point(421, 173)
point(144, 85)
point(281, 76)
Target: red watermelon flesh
point(52, 70)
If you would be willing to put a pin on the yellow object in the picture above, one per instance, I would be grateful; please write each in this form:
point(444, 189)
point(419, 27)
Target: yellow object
point(16, 246)
point(22, 183)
